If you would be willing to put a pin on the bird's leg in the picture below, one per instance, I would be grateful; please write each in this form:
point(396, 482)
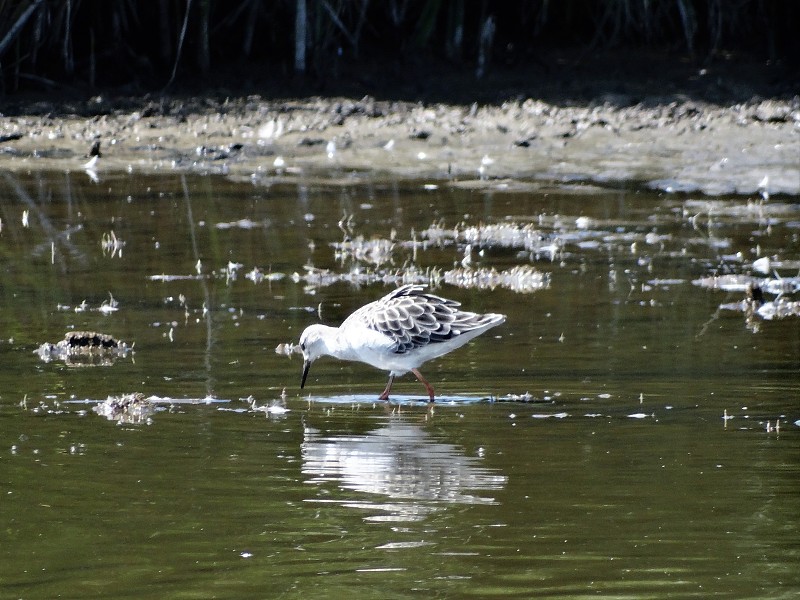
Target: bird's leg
point(424, 382)
point(385, 394)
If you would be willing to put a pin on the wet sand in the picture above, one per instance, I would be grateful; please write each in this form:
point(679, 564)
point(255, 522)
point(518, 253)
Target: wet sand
point(673, 143)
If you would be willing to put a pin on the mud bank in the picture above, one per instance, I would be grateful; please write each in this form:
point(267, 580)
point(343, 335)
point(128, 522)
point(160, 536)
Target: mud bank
point(670, 144)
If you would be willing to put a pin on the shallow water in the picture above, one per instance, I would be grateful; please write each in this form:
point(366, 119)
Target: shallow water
point(622, 435)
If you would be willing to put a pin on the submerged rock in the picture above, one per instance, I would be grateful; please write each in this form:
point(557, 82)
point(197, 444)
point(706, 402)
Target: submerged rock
point(132, 408)
point(85, 349)
point(756, 307)
point(743, 283)
point(521, 279)
point(287, 349)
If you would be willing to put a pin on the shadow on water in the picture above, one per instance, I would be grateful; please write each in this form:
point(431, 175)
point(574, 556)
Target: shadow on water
point(631, 430)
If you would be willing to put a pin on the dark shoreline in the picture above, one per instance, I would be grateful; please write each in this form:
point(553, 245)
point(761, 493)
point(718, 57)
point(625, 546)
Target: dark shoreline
point(622, 77)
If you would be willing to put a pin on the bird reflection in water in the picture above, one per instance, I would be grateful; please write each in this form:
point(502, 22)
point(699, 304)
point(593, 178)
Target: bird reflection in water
point(402, 462)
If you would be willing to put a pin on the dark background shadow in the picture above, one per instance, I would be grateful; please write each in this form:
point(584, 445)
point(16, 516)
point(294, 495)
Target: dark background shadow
point(56, 56)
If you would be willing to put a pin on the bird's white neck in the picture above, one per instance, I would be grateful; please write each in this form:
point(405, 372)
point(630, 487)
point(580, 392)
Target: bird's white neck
point(334, 345)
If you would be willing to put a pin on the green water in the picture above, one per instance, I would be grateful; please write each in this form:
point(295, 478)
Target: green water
point(621, 479)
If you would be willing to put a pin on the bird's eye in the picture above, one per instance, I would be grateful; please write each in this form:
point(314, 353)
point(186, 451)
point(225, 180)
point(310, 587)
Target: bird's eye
point(302, 346)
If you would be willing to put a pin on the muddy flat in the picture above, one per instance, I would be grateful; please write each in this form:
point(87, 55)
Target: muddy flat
point(681, 134)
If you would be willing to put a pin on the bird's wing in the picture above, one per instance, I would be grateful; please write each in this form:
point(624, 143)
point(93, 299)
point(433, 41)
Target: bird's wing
point(412, 318)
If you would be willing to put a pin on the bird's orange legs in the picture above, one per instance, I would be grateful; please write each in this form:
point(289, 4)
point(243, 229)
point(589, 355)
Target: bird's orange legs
point(385, 394)
point(423, 381)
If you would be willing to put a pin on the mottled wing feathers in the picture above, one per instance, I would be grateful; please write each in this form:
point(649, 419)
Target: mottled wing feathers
point(413, 318)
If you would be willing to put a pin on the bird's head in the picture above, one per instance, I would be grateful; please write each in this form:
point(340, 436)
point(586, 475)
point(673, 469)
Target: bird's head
point(312, 345)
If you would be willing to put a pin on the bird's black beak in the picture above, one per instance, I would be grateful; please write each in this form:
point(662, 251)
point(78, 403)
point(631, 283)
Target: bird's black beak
point(306, 367)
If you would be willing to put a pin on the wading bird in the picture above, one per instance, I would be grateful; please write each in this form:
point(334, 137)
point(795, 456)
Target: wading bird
point(397, 333)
